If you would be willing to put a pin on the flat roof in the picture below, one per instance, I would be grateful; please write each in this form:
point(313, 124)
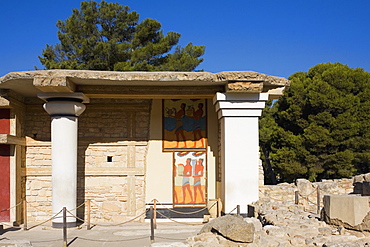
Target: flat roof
point(139, 84)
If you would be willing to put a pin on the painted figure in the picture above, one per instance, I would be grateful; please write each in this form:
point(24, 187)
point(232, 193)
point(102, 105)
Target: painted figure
point(199, 171)
point(186, 181)
point(197, 115)
point(180, 125)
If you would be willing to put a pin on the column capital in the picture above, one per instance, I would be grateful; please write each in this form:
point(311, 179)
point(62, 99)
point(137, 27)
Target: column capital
point(239, 104)
point(64, 104)
point(78, 97)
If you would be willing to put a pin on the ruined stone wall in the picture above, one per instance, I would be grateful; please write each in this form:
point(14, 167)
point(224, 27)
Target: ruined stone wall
point(112, 146)
point(307, 191)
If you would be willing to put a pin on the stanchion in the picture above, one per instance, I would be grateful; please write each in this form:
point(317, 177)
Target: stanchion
point(219, 208)
point(64, 227)
point(151, 224)
point(155, 214)
point(238, 209)
point(88, 207)
point(296, 198)
point(24, 215)
point(318, 200)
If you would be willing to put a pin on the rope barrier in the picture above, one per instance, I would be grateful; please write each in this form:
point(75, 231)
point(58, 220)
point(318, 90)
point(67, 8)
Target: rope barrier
point(117, 224)
point(233, 210)
point(185, 223)
point(139, 209)
point(193, 212)
point(11, 207)
point(54, 216)
point(118, 240)
point(78, 206)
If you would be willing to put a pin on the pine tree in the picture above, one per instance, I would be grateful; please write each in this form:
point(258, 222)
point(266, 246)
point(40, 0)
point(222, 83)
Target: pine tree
point(320, 128)
point(107, 36)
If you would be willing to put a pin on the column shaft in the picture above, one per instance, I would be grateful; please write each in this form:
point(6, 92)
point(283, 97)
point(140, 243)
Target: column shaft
point(64, 169)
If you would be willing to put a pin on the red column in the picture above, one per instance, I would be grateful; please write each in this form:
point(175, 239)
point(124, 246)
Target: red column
point(4, 167)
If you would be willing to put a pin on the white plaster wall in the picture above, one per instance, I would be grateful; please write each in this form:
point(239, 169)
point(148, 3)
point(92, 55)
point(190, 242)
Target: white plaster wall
point(159, 164)
point(241, 161)
point(212, 150)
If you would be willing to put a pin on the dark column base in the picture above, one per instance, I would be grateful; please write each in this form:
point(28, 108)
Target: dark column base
point(60, 225)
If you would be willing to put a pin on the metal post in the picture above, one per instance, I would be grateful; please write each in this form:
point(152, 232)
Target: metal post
point(88, 206)
point(151, 224)
point(155, 214)
point(64, 227)
point(25, 215)
point(318, 200)
point(296, 198)
point(238, 209)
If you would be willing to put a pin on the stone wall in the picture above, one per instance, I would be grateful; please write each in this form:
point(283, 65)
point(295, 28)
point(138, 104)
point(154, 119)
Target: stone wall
point(307, 191)
point(112, 147)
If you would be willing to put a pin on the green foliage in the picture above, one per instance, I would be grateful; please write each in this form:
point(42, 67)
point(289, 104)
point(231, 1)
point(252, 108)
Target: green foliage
point(106, 36)
point(320, 128)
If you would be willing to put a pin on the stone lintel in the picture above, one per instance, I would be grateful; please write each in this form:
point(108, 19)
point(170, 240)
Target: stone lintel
point(10, 139)
point(149, 92)
point(10, 99)
point(245, 86)
point(54, 84)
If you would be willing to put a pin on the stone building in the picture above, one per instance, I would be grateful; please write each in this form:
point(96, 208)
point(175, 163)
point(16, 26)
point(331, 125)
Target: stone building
point(123, 139)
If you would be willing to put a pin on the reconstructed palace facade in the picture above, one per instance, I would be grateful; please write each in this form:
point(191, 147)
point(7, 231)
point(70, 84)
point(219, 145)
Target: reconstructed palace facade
point(123, 139)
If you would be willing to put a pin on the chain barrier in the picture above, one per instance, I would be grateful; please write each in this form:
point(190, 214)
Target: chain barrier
point(193, 212)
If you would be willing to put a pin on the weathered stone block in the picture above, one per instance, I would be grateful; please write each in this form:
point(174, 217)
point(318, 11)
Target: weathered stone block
point(346, 210)
point(231, 227)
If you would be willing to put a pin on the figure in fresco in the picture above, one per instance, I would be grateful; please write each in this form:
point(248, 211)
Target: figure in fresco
point(198, 173)
point(186, 181)
point(197, 115)
point(180, 114)
point(175, 178)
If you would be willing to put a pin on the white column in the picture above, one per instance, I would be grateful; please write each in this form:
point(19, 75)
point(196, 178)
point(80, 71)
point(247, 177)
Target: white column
point(64, 111)
point(238, 114)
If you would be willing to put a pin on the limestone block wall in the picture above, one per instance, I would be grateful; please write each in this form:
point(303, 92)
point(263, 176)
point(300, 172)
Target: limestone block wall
point(307, 191)
point(38, 196)
point(112, 148)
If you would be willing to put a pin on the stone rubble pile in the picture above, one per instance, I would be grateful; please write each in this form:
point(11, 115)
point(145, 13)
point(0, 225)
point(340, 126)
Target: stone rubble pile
point(279, 224)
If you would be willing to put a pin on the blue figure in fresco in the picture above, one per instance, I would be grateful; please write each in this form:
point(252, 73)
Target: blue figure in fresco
point(179, 131)
point(197, 130)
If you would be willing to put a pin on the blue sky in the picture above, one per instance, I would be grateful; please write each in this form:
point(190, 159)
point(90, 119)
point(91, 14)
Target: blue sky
point(267, 36)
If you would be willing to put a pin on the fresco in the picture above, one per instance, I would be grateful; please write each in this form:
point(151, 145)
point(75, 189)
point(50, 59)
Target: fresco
point(184, 124)
point(189, 179)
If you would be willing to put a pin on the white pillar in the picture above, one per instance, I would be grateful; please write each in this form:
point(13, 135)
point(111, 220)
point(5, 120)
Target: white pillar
point(238, 114)
point(64, 110)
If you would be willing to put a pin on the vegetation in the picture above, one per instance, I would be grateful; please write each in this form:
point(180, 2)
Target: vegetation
point(106, 36)
point(320, 128)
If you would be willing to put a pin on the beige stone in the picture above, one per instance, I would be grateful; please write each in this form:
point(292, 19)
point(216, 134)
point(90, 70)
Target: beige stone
point(110, 207)
point(348, 209)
